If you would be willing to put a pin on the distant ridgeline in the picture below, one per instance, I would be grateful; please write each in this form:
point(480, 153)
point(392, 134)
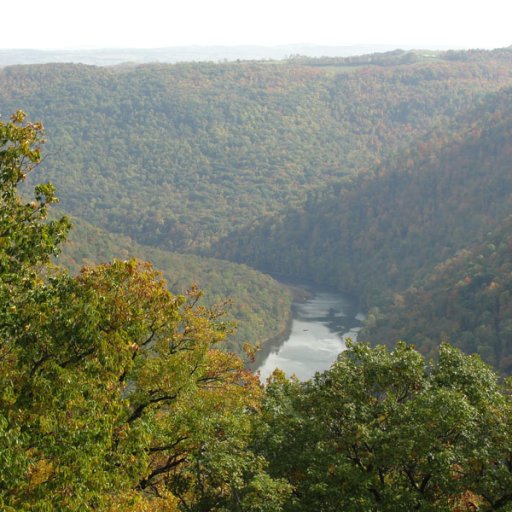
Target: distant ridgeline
point(385, 175)
point(315, 55)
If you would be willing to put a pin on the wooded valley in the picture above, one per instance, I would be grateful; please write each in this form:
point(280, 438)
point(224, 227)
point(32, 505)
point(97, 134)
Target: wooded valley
point(386, 176)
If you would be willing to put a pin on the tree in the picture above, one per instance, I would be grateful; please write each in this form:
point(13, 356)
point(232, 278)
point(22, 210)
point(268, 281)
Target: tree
point(115, 394)
point(390, 431)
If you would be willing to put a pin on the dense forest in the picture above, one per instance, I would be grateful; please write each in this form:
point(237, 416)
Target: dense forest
point(386, 233)
point(365, 173)
point(465, 299)
point(177, 155)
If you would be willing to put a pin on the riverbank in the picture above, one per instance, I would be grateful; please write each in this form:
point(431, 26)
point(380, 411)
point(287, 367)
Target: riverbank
point(300, 294)
point(321, 320)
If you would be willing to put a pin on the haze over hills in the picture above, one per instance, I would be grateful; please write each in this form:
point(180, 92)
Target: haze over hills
point(178, 155)
point(115, 56)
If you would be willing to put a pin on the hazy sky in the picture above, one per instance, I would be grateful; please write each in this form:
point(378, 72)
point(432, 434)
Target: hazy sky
point(51, 24)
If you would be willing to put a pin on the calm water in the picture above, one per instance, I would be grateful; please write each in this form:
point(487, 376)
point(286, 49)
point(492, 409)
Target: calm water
point(319, 329)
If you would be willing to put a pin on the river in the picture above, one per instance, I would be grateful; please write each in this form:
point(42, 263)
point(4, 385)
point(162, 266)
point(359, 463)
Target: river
point(320, 326)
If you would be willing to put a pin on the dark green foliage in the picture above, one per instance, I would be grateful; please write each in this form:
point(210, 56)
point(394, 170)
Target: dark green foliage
point(466, 300)
point(389, 431)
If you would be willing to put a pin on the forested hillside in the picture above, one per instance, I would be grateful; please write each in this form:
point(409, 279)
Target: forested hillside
point(176, 156)
point(363, 173)
point(256, 304)
point(111, 387)
point(394, 227)
point(466, 300)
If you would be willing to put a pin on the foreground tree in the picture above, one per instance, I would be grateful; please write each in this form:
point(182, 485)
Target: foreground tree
point(114, 393)
point(389, 431)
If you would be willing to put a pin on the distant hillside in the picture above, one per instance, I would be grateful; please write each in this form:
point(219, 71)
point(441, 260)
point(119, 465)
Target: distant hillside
point(466, 300)
point(259, 305)
point(177, 156)
point(423, 212)
point(115, 56)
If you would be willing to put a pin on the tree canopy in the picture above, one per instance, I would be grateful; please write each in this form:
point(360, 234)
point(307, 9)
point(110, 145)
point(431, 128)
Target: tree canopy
point(387, 430)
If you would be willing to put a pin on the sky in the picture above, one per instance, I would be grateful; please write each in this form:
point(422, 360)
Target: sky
point(74, 24)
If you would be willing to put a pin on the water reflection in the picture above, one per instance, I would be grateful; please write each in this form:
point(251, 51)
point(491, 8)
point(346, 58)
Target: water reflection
point(319, 329)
